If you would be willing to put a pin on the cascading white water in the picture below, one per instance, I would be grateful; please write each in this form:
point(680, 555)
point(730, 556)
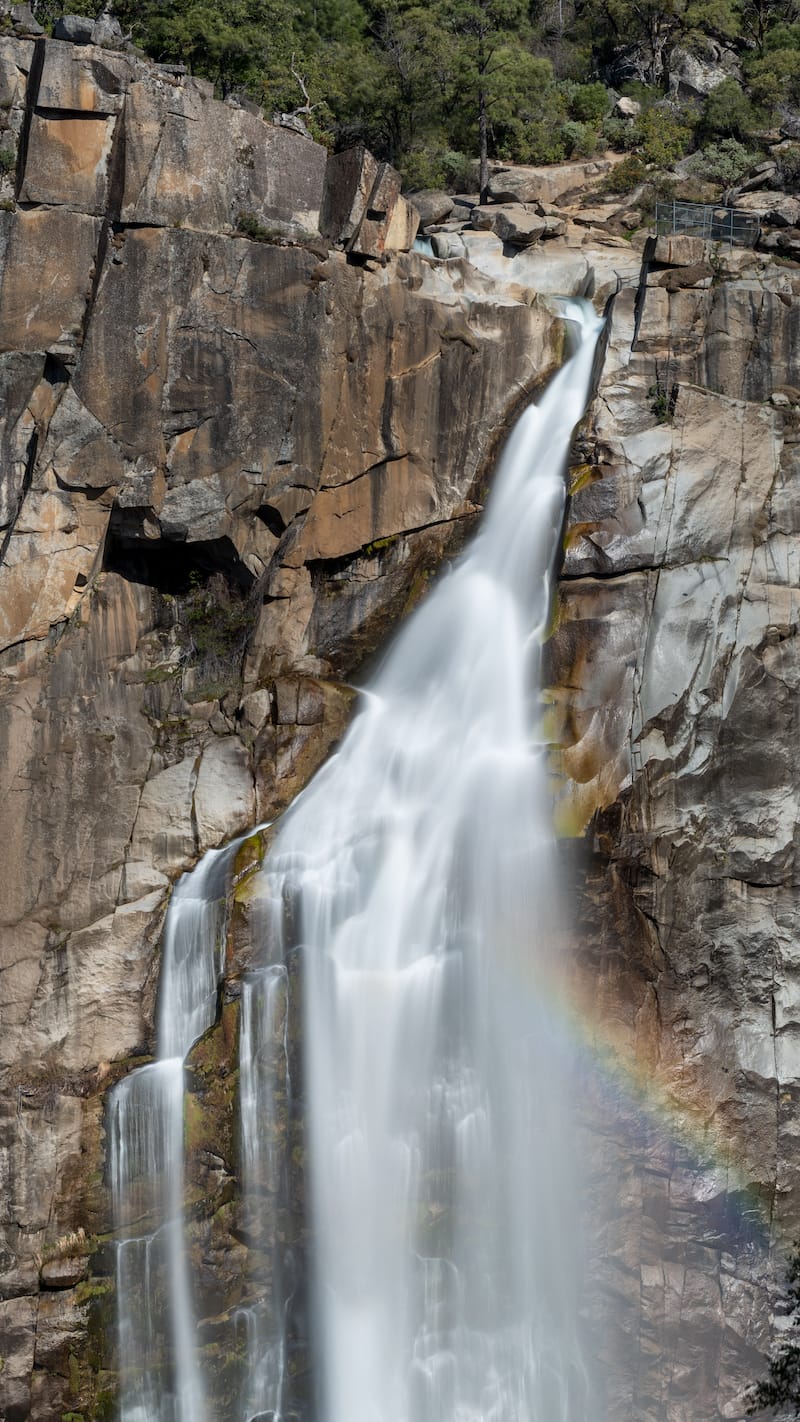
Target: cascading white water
point(416, 876)
point(159, 1377)
point(264, 1105)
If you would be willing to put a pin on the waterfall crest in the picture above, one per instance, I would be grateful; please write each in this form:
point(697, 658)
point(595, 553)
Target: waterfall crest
point(417, 881)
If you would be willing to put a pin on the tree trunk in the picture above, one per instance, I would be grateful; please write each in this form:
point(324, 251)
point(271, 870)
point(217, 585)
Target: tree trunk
point(483, 143)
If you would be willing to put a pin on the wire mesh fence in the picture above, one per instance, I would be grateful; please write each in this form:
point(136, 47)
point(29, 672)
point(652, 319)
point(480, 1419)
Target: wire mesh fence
point(727, 225)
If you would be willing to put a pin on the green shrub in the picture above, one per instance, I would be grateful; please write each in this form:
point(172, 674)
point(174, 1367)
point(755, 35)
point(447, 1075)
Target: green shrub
point(217, 620)
point(789, 161)
point(249, 225)
point(783, 36)
point(533, 142)
point(665, 138)
point(624, 176)
point(590, 103)
point(622, 135)
point(775, 79)
point(728, 111)
point(435, 167)
point(724, 163)
point(580, 139)
point(460, 171)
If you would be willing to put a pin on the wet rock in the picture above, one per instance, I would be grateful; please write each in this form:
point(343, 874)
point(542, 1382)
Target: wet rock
point(447, 245)
point(676, 605)
point(228, 462)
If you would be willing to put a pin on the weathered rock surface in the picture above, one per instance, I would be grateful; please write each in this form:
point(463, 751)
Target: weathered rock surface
point(227, 467)
point(675, 671)
point(545, 184)
point(432, 206)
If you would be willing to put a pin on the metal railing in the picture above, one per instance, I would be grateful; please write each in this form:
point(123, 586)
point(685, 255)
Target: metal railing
point(712, 223)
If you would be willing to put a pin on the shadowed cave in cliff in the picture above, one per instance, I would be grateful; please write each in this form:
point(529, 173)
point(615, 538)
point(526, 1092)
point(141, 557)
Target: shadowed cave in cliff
point(175, 567)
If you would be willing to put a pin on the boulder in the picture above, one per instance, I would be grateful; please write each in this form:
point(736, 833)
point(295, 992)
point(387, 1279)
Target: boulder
point(349, 179)
point(24, 21)
point(786, 240)
point(43, 300)
point(692, 77)
point(596, 216)
point(448, 246)
point(518, 225)
point(482, 219)
point(362, 208)
point(68, 160)
point(75, 29)
point(84, 81)
point(553, 227)
point(776, 209)
point(107, 31)
point(389, 223)
point(203, 164)
point(432, 206)
point(627, 108)
point(544, 184)
point(678, 251)
point(64, 1273)
point(402, 227)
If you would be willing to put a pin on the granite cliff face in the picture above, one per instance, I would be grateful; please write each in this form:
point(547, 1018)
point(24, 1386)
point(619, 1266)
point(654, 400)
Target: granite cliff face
point(675, 671)
point(230, 461)
point(244, 425)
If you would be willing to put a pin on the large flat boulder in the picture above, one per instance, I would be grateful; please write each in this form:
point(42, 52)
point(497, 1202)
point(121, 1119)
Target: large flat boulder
point(545, 184)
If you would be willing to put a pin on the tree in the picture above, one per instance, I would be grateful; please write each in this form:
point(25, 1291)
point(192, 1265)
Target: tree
point(759, 17)
point(480, 30)
point(781, 1387)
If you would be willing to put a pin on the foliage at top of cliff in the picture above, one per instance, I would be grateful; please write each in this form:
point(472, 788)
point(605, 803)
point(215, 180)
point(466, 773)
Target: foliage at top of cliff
point(409, 79)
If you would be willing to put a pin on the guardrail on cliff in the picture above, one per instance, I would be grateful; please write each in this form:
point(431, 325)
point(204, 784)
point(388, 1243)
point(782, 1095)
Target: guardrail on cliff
point(706, 220)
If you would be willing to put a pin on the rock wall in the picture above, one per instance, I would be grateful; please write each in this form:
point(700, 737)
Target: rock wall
point(675, 671)
point(242, 427)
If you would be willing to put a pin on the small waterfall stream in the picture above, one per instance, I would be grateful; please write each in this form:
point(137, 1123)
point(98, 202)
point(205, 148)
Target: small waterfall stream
point(415, 884)
point(159, 1376)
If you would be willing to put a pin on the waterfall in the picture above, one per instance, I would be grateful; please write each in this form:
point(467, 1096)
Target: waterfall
point(412, 890)
point(159, 1377)
point(416, 880)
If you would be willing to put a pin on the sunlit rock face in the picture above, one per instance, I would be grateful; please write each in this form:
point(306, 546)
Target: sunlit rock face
point(228, 467)
point(675, 671)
